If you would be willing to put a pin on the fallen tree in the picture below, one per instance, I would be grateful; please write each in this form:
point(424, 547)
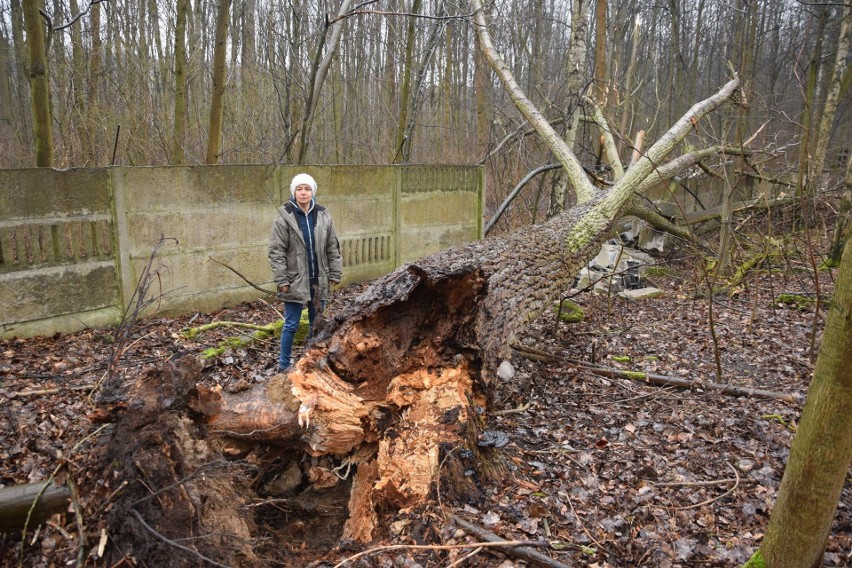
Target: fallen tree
point(392, 389)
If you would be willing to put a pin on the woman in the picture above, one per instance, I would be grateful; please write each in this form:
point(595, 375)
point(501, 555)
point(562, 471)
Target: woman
point(305, 257)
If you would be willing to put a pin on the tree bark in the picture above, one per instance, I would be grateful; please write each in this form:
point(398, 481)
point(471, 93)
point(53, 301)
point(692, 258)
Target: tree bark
point(833, 97)
point(318, 78)
point(822, 448)
point(39, 86)
point(217, 100)
point(179, 124)
point(576, 64)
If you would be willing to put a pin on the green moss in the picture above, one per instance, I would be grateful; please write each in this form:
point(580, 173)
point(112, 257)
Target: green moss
point(799, 301)
point(621, 358)
point(756, 561)
point(211, 352)
point(658, 271)
point(780, 420)
point(828, 264)
point(569, 312)
point(635, 375)
point(258, 333)
point(301, 333)
point(651, 358)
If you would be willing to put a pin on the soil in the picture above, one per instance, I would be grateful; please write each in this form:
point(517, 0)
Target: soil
point(610, 472)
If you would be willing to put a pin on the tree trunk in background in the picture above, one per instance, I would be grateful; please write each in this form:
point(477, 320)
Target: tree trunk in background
point(744, 38)
point(575, 86)
point(832, 98)
point(821, 451)
point(481, 86)
point(219, 78)
point(248, 42)
point(675, 63)
point(600, 91)
point(405, 91)
point(627, 96)
point(179, 124)
point(93, 85)
point(39, 87)
point(318, 78)
point(415, 92)
point(81, 113)
point(6, 70)
point(809, 106)
point(389, 83)
point(843, 225)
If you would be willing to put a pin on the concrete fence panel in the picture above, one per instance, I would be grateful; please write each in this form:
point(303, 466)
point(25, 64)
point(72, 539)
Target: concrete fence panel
point(57, 267)
point(74, 244)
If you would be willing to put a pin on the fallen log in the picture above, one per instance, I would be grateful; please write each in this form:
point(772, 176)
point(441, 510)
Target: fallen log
point(651, 378)
point(31, 504)
point(685, 383)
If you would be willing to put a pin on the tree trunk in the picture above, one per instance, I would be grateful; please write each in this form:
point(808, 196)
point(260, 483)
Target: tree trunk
point(576, 65)
point(822, 448)
point(843, 224)
point(39, 86)
point(405, 91)
point(833, 97)
point(318, 77)
point(217, 99)
point(179, 126)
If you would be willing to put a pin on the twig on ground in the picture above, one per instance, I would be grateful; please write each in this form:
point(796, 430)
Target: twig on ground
point(708, 501)
point(708, 483)
point(81, 527)
point(583, 525)
point(43, 392)
point(494, 544)
point(521, 552)
point(518, 410)
point(464, 558)
point(651, 378)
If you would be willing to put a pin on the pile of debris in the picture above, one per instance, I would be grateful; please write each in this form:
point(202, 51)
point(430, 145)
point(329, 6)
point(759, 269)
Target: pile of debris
point(621, 270)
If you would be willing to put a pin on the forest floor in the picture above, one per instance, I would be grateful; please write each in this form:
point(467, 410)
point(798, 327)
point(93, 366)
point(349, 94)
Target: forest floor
point(613, 472)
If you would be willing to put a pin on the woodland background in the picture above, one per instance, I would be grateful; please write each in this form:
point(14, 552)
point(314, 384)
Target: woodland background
point(137, 83)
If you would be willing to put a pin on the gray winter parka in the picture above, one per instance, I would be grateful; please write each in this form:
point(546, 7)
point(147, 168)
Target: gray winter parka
point(289, 259)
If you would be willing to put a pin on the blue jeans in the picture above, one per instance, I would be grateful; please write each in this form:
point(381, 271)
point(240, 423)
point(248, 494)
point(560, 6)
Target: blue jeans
point(292, 316)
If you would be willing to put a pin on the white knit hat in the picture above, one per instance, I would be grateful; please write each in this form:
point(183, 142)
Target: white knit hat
point(303, 179)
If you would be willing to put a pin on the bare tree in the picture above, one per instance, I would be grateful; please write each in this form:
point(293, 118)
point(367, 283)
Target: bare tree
point(217, 100)
point(39, 87)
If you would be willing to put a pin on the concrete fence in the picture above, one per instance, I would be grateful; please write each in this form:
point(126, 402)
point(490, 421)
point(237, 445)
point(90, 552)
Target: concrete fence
point(74, 243)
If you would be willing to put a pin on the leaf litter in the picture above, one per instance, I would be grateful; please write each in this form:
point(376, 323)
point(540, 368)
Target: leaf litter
point(610, 471)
